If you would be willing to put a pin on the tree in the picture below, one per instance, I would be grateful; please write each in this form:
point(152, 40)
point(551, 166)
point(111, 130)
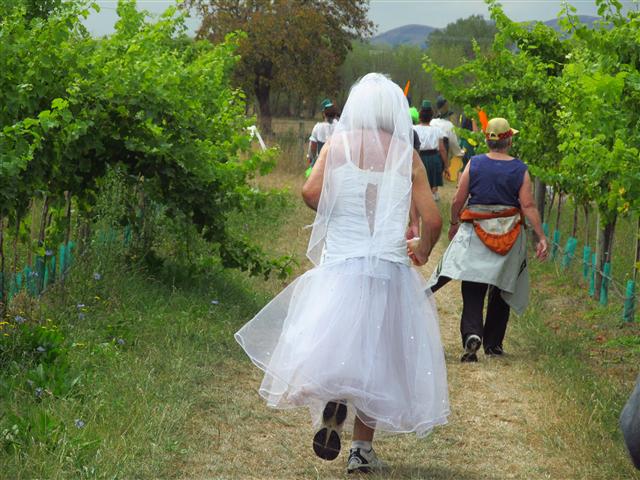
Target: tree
point(401, 63)
point(460, 35)
point(292, 45)
point(146, 100)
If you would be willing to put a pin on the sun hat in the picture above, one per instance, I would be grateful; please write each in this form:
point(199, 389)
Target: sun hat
point(426, 104)
point(498, 129)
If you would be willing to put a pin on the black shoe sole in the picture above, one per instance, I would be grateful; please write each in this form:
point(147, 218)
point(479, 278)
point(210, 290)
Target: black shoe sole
point(472, 345)
point(469, 357)
point(326, 441)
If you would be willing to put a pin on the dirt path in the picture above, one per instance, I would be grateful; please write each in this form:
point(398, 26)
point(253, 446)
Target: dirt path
point(502, 416)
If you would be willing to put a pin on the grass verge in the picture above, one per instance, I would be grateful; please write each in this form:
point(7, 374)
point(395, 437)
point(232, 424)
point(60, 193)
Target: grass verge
point(103, 373)
point(585, 350)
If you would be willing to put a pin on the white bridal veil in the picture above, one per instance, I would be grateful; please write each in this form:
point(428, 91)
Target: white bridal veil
point(358, 327)
point(374, 135)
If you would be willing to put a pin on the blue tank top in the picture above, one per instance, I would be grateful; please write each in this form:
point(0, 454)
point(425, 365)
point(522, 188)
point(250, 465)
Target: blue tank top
point(495, 182)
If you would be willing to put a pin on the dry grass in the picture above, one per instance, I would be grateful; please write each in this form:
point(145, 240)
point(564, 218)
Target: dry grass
point(509, 419)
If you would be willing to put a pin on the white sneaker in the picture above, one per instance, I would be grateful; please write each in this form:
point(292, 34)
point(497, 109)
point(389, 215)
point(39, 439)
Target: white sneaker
point(436, 197)
point(365, 461)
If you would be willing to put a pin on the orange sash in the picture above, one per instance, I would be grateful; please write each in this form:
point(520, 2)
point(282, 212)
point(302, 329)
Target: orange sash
point(500, 243)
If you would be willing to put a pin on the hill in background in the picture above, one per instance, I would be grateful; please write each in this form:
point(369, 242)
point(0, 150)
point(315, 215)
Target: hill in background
point(418, 34)
point(586, 19)
point(405, 35)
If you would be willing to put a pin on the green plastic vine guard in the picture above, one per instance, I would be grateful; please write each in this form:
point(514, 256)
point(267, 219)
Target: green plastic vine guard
point(545, 229)
point(13, 286)
point(629, 312)
point(70, 246)
point(569, 251)
point(556, 243)
point(39, 270)
point(18, 281)
point(61, 253)
point(586, 259)
point(45, 280)
point(604, 287)
point(29, 280)
point(127, 235)
point(592, 275)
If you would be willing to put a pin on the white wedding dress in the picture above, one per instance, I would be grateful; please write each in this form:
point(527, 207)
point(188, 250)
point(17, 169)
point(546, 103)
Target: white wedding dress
point(358, 327)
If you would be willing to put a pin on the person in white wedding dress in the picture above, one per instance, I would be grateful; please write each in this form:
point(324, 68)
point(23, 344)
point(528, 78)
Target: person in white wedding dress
point(358, 334)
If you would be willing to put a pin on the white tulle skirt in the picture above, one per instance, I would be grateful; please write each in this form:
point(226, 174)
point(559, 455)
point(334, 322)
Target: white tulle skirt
point(365, 335)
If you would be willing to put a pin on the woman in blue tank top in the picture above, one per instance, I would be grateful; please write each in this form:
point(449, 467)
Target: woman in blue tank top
point(488, 249)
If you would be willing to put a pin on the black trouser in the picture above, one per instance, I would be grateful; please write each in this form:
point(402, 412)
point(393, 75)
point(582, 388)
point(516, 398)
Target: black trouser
point(473, 293)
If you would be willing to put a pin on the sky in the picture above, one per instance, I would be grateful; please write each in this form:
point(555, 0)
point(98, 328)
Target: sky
point(388, 14)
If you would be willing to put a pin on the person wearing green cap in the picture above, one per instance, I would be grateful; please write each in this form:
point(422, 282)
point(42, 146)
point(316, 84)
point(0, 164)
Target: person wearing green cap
point(321, 132)
point(432, 151)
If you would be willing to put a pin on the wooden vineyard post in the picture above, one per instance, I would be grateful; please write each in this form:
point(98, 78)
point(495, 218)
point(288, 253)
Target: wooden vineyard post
point(540, 194)
point(572, 241)
point(586, 262)
point(556, 232)
point(545, 224)
point(586, 250)
point(592, 276)
point(629, 311)
point(3, 286)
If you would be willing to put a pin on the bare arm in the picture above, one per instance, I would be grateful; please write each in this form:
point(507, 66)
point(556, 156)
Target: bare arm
point(313, 150)
point(459, 201)
point(428, 212)
point(528, 207)
point(443, 154)
point(312, 188)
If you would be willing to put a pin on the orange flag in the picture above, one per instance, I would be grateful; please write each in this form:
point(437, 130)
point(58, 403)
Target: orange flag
point(406, 88)
point(484, 121)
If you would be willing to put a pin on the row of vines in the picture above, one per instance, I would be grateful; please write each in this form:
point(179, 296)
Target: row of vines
point(575, 97)
point(146, 101)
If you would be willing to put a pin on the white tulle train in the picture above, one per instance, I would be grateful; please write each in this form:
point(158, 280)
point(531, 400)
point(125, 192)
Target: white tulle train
point(375, 345)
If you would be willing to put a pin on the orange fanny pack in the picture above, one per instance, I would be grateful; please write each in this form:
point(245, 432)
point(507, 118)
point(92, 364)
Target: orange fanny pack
point(500, 243)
